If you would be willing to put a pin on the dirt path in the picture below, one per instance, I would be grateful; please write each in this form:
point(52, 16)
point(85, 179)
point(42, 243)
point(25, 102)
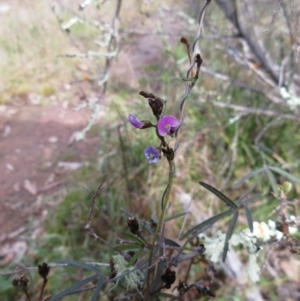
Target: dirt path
point(36, 154)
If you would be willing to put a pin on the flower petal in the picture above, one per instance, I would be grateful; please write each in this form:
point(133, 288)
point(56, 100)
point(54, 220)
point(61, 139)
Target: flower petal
point(135, 122)
point(167, 125)
point(152, 154)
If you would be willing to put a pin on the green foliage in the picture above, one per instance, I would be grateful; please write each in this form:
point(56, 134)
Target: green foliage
point(214, 143)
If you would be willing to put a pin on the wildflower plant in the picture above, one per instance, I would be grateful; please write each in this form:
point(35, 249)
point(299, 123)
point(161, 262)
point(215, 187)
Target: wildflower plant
point(145, 262)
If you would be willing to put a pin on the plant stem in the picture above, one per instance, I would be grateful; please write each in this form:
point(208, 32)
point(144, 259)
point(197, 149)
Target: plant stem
point(165, 201)
point(42, 290)
point(26, 294)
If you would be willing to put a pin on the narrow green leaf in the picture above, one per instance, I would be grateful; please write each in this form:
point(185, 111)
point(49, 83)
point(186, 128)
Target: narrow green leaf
point(285, 174)
point(219, 194)
point(232, 224)
point(159, 272)
point(251, 199)
point(74, 287)
point(130, 236)
point(144, 225)
point(98, 288)
point(225, 250)
point(208, 222)
point(249, 218)
point(176, 216)
point(229, 233)
point(126, 213)
point(80, 265)
point(170, 242)
point(135, 257)
point(272, 181)
point(247, 177)
point(266, 149)
point(127, 247)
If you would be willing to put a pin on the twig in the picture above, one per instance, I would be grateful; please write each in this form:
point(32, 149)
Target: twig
point(124, 162)
point(50, 186)
point(274, 15)
point(186, 216)
point(51, 265)
point(231, 80)
point(247, 110)
point(256, 49)
point(97, 192)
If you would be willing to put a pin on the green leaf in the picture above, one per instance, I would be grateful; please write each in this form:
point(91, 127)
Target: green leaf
point(251, 199)
point(247, 177)
point(98, 288)
point(172, 243)
point(135, 257)
point(176, 216)
point(127, 247)
point(80, 265)
point(159, 272)
point(229, 233)
point(219, 194)
point(74, 287)
point(208, 222)
point(266, 149)
point(126, 213)
point(225, 250)
point(249, 218)
point(272, 181)
point(130, 236)
point(144, 225)
point(285, 174)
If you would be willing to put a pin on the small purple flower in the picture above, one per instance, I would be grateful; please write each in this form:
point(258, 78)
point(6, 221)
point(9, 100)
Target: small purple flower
point(152, 154)
point(135, 122)
point(167, 125)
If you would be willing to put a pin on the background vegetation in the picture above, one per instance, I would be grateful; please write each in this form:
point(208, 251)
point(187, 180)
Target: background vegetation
point(240, 118)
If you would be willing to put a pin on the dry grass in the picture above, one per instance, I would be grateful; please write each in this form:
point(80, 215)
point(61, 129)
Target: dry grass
point(30, 43)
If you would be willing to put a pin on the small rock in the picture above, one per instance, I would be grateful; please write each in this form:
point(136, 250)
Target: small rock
point(10, 167)
point(65, 104)
point(71, 165)
point(67, 87)
point(30, 187)
point(11, 112)
point(35, 99)
point(16, 187)
point(6, 131)
point(53, 139)
point(5, 8)
point(3, 108)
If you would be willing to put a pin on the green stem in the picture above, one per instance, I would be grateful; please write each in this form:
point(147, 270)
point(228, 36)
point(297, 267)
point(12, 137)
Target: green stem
point(165, 201)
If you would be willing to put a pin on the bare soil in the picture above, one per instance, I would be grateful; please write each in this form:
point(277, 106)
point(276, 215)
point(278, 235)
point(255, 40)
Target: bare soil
point(38, 151)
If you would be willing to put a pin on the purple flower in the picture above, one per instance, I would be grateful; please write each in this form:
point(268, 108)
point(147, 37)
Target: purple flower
point(135, 122)
point(152, 154)
point(167, 125)
point(144, 124)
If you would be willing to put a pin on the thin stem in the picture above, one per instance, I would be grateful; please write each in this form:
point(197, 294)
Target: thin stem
point(124, 163)
point(143, 239)
point(165, 201)
point(26, 294)
point(42, 290)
